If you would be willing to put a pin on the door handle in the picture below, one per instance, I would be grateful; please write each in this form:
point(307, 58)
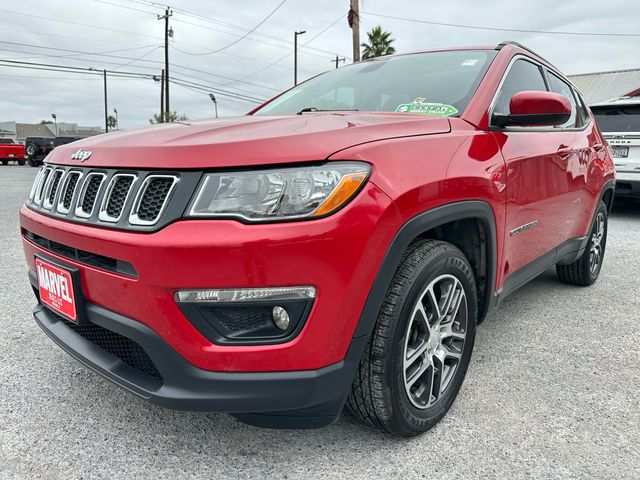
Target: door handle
point(564, 151)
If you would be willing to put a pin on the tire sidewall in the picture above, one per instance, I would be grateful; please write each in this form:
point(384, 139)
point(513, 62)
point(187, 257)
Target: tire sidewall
point(34, 148)
point(415, 420)
point(602, 208)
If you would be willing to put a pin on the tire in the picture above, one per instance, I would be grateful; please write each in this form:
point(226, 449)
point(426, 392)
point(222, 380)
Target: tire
point(32, 150)
point(31, 162)
point(380, 395)
point(585, 270)
point(5, 162)
point(21, 162)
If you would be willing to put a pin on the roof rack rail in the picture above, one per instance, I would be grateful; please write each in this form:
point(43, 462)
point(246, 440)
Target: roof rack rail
point(511, 42)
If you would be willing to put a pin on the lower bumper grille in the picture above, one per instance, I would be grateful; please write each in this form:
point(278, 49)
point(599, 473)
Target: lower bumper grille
point(81, 256)
point(122, 347)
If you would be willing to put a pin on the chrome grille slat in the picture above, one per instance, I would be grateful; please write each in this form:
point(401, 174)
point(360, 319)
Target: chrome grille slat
point(52, 188)
point(68, 191)
point(46, 172)
point(89, 194)
point(152, 199)
point(116, 196)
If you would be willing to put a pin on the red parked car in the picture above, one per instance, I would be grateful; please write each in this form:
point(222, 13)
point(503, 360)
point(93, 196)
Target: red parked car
point(11, 151)
point(337, 246)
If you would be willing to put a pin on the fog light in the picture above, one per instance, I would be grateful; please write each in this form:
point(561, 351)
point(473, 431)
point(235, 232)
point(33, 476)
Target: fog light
point(280, 317)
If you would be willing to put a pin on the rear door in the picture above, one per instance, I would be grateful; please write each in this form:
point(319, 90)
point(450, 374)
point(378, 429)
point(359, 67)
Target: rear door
point(620, 125)
point(583, 143)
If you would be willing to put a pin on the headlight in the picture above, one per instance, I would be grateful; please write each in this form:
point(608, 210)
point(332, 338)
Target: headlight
point(279, 193)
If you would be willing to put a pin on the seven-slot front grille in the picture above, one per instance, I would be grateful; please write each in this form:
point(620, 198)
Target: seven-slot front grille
point(124, 199)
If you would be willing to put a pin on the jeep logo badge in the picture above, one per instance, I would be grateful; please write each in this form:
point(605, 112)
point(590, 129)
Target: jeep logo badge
point(81, 155)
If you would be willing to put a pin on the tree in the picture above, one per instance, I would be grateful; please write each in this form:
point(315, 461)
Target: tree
point(45, 122)
point(112, 122)
point(168, 118)
point(379, 44)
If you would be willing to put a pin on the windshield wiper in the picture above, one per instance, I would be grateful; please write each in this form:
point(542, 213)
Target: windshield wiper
point(316, 109)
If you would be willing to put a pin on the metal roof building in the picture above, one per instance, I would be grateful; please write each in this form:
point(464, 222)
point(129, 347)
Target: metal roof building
point(600, 86)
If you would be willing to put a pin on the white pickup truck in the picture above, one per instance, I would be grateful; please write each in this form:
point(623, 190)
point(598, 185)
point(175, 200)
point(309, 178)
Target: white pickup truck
point(619, 121)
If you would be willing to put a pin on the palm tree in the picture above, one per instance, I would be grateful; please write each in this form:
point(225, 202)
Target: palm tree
point(379, 44)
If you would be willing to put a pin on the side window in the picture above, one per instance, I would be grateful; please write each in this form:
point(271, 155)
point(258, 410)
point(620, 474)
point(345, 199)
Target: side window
point(560, 86)
point(583, 113)
point(523, 76)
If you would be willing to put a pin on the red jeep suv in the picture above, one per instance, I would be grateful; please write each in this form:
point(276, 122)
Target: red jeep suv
point(336, 246)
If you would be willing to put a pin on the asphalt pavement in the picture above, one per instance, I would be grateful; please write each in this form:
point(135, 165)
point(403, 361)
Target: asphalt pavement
point(553, 391)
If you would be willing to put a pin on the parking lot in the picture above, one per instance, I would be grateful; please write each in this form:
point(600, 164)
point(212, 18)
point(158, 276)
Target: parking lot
point(553, 391)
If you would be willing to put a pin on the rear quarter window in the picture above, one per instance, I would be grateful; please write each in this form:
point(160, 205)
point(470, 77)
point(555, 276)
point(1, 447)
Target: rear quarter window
point(621, 118)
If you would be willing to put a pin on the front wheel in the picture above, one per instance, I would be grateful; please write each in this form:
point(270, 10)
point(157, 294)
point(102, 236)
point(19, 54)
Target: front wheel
point(419, 351)
point(586, 269)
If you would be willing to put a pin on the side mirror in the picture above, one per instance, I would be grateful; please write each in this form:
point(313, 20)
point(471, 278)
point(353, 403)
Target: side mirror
point(539, 109)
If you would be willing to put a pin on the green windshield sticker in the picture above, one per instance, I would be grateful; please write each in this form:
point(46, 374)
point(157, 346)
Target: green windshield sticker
point(427, 109)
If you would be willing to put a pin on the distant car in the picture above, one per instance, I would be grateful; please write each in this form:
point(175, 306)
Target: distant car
point(37, 148)
point(11, 151)
point(619, 121)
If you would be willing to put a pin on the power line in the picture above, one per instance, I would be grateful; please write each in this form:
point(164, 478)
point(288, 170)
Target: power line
point(120, 57)
point(498, 29)
point(217, 22)
point(139, 58)
point(288, 54)
point(123, 74)
point(232, 26)
point(249, 32)
point(94, 27)
point(68, 56)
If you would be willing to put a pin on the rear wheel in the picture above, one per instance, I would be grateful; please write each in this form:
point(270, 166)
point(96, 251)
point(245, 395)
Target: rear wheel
point(32, 149)
point(5, 162)
point(586, 269)
point(419, 351)
point(21, 162)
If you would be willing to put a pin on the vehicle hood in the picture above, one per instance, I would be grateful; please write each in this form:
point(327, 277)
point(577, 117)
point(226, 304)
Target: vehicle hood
point(246, 141)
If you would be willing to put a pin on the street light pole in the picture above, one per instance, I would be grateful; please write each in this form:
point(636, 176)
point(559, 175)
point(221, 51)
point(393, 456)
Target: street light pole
point(295, 55)
point(55, 119)
point(215, 102)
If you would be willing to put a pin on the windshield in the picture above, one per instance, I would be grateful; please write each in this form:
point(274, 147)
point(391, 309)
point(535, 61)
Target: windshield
point(435, 83)
point(618, 119)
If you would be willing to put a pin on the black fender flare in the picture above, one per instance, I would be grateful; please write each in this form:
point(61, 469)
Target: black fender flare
point(477, 209)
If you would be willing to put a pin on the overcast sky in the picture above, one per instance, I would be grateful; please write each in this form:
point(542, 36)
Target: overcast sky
point(128, 30)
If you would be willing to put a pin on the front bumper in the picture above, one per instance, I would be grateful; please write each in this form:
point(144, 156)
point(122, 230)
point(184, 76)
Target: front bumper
point(339, 256)
point(291, 399)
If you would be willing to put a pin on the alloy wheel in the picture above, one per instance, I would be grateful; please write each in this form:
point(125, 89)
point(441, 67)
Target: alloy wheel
point(596, 252)
point(435, 339)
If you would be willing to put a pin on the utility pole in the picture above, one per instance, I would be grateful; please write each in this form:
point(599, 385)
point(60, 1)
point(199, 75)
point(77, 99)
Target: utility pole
point(162, 115)
point(338, 60)
point(295, 56)
point(168, 32)
point(354, 23)
point(106, 110)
